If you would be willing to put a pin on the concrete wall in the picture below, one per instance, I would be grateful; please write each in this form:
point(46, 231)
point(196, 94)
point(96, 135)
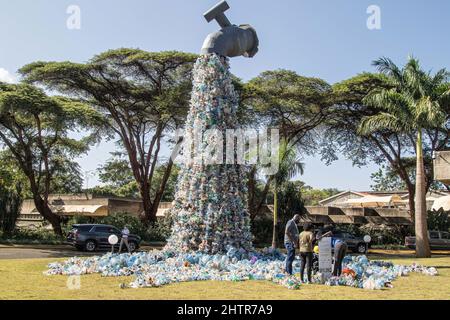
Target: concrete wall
point(133, 207)
point(442, 167)
point(326, 215)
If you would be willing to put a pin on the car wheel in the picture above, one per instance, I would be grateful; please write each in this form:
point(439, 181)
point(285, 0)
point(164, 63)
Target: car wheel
point(362, 248)
point(90, 246)
point(132, 245)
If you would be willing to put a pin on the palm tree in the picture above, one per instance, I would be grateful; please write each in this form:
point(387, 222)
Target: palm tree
point(289, 167)
point(414, 103)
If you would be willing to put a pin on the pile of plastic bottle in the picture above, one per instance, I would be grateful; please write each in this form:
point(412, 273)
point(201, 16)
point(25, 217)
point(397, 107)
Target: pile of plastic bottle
point(158, 268)
point(209, 211)
point(359, 272)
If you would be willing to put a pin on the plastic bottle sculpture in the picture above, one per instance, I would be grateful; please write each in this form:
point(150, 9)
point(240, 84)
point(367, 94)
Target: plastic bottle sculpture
point(209, 211)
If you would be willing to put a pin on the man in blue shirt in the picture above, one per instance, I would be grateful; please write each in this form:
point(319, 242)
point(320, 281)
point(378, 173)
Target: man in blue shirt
point(291, 241)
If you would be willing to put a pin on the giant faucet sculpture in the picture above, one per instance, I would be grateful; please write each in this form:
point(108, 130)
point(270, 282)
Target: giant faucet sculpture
point(231, 40)
point(210, 208)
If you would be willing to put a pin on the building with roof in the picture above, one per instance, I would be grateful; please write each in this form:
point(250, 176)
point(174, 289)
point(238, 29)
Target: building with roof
point(84, 205)
point(377, 199)
point(367, 207)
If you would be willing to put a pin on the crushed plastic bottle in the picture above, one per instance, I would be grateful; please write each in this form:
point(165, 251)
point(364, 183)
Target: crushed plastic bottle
point(359, 272)
point(159, 268)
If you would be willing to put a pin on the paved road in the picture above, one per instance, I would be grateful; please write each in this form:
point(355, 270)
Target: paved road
point(42, 252)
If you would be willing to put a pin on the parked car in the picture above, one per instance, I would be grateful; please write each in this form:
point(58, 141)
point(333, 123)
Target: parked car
point(354, 243)
point(92, 237)
point(439, 240)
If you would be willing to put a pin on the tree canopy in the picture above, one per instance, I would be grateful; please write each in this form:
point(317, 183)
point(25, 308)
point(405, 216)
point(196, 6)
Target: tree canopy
point(294, 104)
point(35, 128)
point(142, 95)
point(416, 102)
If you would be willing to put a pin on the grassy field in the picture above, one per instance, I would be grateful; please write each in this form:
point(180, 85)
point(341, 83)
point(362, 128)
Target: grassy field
point(23, 279)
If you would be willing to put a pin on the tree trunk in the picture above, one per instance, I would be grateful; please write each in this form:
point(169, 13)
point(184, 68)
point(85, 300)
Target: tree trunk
point(43, 208)
point(275, 220)
point(148, 216)
point(411, 201)
point(159, 195)
point(422, 243)
point(262, 199)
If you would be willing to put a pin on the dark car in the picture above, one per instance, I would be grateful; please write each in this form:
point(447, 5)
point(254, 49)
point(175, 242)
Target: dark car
point(439, 240)
point(92, 237)
point(354, 243)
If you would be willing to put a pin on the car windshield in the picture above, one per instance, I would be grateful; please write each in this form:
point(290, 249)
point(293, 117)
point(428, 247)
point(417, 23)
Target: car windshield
point(434, 235)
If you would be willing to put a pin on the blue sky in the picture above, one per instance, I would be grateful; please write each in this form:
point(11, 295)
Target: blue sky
point(322, 38)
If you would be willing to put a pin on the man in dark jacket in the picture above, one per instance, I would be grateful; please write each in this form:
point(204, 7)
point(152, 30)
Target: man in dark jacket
point(291, 241)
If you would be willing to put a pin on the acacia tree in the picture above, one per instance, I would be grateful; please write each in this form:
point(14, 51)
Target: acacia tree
point(35, 129)
point(143, 95)
point(383, 147)
point(295, 105)
point(117, 178)
point(413, 104)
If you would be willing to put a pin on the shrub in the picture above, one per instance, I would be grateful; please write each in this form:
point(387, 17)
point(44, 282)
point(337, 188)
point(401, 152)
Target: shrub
point(28, 236)
point(438, 220)
point(120, 220)
point(383, 234)
point(262, 230)
point(159, 231)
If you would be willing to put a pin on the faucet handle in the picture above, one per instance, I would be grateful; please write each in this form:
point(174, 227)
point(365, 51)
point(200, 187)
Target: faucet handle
point(217, 13)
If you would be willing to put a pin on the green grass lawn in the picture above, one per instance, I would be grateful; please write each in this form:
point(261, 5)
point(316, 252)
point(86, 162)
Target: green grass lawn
point(23, 279)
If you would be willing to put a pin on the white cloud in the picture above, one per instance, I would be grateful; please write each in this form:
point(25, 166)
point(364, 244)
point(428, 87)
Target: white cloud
point(5, 76)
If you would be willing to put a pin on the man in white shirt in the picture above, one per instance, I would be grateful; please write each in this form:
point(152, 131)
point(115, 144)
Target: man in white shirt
point(124, 240)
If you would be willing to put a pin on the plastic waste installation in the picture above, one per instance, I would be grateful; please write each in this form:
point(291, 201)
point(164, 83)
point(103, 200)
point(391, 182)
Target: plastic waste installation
point(209, 210)
point(211, 237)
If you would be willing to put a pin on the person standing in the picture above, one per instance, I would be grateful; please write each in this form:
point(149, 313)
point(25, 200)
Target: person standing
point(306, 251)
point(291, 241)
point(124, 240)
